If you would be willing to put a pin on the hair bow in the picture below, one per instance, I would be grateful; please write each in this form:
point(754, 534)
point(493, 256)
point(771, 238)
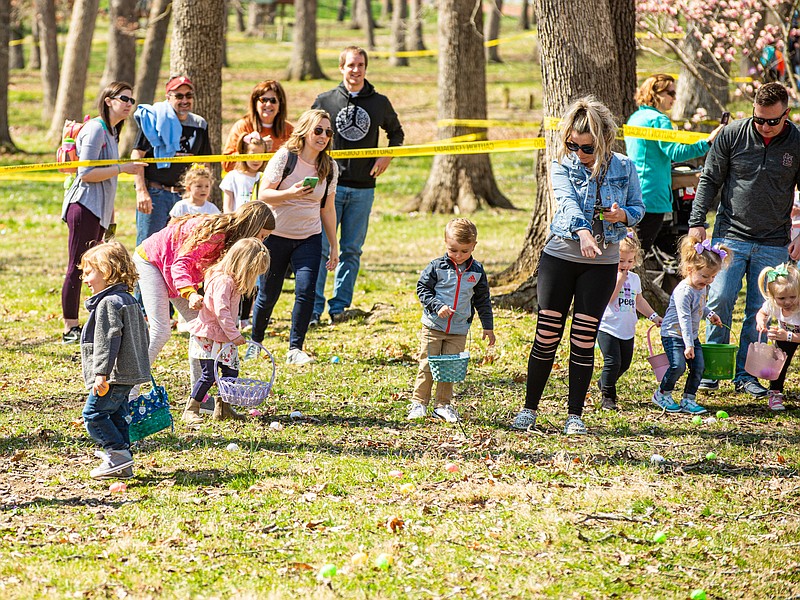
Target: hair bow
point(705, 246)
point(779, 271)
point(252, 137)
point(630, 234)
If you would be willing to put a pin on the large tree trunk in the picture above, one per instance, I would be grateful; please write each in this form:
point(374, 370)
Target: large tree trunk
point(6, 144)
point(255, 19)
point(492, 30)
point(399, 27)
point(711, 91)
point(35, 63)
point(623, 18)
point(341, 11)
point(16, 53)
point(460, 183)
point(48, 42)
point(149, 66)
point(72, 84)
point(524, 19)
point(121, 56)
point(361, 18)
point(304, 63)
point(415, 39)
point(590, 67)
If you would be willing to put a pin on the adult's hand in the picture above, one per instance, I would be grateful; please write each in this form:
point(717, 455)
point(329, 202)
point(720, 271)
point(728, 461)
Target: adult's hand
point(144, 204)
point(134, 168)
point(381, 164)
point(615, 214)
point(589, 247)
point(794, 249)
point(698, 232)
point(713, 135)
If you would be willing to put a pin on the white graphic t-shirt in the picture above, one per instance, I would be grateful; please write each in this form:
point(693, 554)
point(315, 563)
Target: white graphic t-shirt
point(240, 184)
point(620, 316)
point(790, 323)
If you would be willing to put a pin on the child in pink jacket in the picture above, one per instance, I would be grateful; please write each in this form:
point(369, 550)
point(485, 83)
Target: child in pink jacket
point(216, 324)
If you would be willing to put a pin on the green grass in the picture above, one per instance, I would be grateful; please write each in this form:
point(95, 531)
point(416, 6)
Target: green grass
point(531, 515)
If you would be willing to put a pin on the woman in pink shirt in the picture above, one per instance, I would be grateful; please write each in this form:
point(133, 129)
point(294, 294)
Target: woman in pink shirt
point(303, 202)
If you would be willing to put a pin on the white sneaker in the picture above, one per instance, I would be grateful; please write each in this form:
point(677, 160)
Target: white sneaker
point(112, 463)
point(447, 413)
point(525, 420)
point(574, 426)
point(418, 411)
point(296, 356)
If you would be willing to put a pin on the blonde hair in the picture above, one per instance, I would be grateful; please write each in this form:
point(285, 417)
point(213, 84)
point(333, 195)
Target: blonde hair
point(113, 262)
point(194, 174)
point(784, 277)
point(709, 258)
point(353, 50)
point(631, 243)
point(648, 92)
point(589, 115)
point(462, 231)
point(247, 141)
point(297, 141)
point(244, 262)
point(248, 220)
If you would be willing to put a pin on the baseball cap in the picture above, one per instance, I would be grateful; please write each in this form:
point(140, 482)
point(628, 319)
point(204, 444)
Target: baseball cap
point(177, 82)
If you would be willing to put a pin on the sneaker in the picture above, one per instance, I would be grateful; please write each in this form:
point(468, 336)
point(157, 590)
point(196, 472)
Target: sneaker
point(298, 357)
point(665, 401)
point(207, 405)
point(447, 413)
point(752, 387)
point(338, 318)
point(73, 336)
point(314, 322)
point(245, 324)
point(126, 473)
point(688, 405)
point(111, 464)
point(252, 352)
point(574, 426)
point(609, 403)
point(709, 384)
point(418, 411)
point(525, 420)
point(775, 400)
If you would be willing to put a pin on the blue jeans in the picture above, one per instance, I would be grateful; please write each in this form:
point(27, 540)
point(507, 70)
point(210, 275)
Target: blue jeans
point(106, 417)
point(674, 348)
point(303, 255)
point(749, 259)
point(353, 206)
point(147, 225)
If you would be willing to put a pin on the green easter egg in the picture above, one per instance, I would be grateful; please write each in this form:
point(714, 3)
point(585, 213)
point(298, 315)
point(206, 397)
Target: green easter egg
point(660, 537)
point(697, 420)
point(328, 571)
point(382, 562)
point(711, 456)
point(721, 414)
point(698, 595)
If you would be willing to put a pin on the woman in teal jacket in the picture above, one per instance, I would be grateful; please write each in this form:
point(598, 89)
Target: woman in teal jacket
point(653, 159)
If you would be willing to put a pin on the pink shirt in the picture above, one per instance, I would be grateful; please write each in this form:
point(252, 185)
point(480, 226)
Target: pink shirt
point(218, 316)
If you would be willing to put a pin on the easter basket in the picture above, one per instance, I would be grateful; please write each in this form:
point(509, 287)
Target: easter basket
point(450, 368)
point(764, 361)
point(149, 413)
point(242, 391)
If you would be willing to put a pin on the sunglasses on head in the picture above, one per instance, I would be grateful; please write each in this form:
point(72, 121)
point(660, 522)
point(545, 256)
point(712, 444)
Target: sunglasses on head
point(187, 95)
point(320, 131)
point(268, 100)
point(127, 99)
point(585, 148)
point(770, 122)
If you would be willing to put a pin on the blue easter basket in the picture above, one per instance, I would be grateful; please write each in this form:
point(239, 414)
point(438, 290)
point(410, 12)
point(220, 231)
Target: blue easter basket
point(449, 368)
point(149, 413)
point(241, 391)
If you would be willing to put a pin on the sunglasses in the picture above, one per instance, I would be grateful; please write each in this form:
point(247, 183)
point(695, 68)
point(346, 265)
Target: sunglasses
point(770, 122)
point(585, 148)
point(127, 99)
point(268, 100)
point(187, 95)
point(320, 131)
point(671, 93)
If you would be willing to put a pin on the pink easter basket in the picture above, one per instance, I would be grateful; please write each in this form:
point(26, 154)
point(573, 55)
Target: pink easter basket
point(764, 361)
point(659, 362)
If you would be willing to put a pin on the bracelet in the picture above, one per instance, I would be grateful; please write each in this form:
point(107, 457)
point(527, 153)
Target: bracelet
point(653, 317)
point(119, 169)
point(788, 336)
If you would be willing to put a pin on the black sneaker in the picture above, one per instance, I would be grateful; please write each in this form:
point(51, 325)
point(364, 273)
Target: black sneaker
point(73, 336)
point(752, 387)
point(609, 403)
point(709, 384)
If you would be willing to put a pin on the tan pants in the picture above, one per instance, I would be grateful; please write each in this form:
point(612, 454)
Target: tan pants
point(435, 342)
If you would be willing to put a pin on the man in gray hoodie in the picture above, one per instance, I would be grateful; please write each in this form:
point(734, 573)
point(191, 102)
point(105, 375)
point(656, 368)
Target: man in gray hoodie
point(755, 164)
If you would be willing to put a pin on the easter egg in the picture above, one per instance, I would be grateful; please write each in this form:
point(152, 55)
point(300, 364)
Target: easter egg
point(698, 595)
point(659, 537)
point(335, 360)
point(327, 571)
point(359, 559)
point(451, 467)
point(711, 456)
point(117, 487)
point(383, 561)
point(102, 389)
point(697, 420)
point(232, 447)
point(395, 473)
point(255, 412)
point(721, 414)
point(656, 459)
point(407, 488)
point(295, 414)
point(276, 426)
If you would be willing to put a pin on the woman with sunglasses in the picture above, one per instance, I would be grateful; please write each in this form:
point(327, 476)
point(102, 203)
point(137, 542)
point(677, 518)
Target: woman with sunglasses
point(598, 198)
point(654, 158)
point(303, 202)
point(266, 114)
point(88, 207)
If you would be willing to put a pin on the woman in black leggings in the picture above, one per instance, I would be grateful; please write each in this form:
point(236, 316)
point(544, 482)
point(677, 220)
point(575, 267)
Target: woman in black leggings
point(598, 197)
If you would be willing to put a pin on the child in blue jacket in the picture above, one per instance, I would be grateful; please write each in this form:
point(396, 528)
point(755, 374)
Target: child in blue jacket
point(451, 289)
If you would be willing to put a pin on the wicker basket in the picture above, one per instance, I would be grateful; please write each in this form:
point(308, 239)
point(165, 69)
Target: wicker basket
point(450, 368)
point(241, 391)
point(158, 420)
point(149, 413)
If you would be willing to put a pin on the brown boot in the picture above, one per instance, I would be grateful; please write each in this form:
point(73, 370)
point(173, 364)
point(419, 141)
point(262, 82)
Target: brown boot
point(224, 412)
point(191, 414)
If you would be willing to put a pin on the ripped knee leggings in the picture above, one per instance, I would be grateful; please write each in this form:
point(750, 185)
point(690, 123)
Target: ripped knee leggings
point(559, 282)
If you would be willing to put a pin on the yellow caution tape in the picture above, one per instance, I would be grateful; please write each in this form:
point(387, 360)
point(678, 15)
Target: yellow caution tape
point(664, 135)
point(670, 36)
point(470, 137)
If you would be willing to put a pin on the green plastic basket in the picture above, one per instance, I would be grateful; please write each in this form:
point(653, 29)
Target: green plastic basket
point(158, 420)
point(720, 359)
point(449, 368)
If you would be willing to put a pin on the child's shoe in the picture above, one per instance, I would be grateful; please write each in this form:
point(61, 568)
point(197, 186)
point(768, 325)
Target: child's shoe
point(775, 400)
point(609, 403)
point(447, 413)
point(574, 426)
point(191, 413)
point(525, 420)
point(112, 464)
point(418, 411)
point(688, 405)
point(224, 412)
point(664, 400)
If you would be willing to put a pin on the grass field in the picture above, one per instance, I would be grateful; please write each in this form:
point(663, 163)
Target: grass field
point(534, 515)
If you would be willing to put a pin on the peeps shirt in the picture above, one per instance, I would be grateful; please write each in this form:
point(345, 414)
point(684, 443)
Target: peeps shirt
point(790, 323)
point(620, 316)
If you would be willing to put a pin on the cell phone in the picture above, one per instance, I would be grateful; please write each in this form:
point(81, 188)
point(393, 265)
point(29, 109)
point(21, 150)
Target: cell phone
point(310, 181)
point(726, 116)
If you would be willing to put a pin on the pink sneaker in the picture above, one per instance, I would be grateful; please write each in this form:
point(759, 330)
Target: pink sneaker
point(775, 400)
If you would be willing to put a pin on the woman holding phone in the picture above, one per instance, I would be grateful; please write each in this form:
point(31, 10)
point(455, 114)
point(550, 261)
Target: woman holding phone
point(303, 202)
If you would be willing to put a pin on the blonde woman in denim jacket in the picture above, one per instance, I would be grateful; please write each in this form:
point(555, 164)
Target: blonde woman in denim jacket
point(599, 197)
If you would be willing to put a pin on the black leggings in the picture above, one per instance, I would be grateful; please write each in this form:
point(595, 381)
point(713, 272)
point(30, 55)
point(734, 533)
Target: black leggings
point(559, 282)
point(617, 357)
point(790, 348)
point(202, 385)
point(648, 229)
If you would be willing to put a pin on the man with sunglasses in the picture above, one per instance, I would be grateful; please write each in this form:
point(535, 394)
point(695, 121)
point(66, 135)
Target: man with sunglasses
point(755, 164)
point(170, 129)
point(358, 113)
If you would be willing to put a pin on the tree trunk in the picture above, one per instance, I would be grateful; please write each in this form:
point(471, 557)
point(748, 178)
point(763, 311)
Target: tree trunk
point(711, 92)
point(491, 31)
point(72, 84)
point(48, 43)
point(524, 18)
point(399, 26)
point(226, 8)
point(591, 66)
point(255, 19)
point(121, 56)
point(6, 144)
point(238, 13)
point(387, 6)
point(623, 18)
point(354, 14)
point(35, 63)
point(16, 53)
point(341, 11)
point(460, 183)
point(361, 18)
point(304, 63)
point(415, 38)
point(149, 66)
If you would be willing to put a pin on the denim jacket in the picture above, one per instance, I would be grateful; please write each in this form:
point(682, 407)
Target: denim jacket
point(575, 193)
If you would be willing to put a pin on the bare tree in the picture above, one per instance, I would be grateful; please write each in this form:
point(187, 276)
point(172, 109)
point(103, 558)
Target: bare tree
point(238, 12)
point(460, 183)
point(304, 63)
point(121, 56)
point(48, 43)
point(5, 135)
point(524, 18)
point(415, 39)
point(341, 11)
point(72, 84)
point(256, 14)
point(399, 27)
point(35, 63)
point(491, 30)
point(16, 54)
point(361, 18)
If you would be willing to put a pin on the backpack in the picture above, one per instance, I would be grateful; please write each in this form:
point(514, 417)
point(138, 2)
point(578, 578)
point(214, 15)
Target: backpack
point(68, 150)
point(291, 162)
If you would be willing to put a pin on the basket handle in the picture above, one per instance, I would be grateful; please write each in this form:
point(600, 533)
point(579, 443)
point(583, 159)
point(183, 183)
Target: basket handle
point(267, 352)
point(649, 341)
point(736, 337)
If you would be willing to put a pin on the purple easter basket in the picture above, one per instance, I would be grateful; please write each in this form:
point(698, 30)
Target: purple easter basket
point(242, 391)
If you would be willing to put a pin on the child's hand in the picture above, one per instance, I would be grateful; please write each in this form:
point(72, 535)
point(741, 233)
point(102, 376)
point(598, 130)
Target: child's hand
point(777, 334)
point(445, 311)
point(689, 353)
point(488, 334)
point(100, 387)
point(240, 340)
point(715, 320)
point(657, 320)
point(195, 301)
point(761, 322)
